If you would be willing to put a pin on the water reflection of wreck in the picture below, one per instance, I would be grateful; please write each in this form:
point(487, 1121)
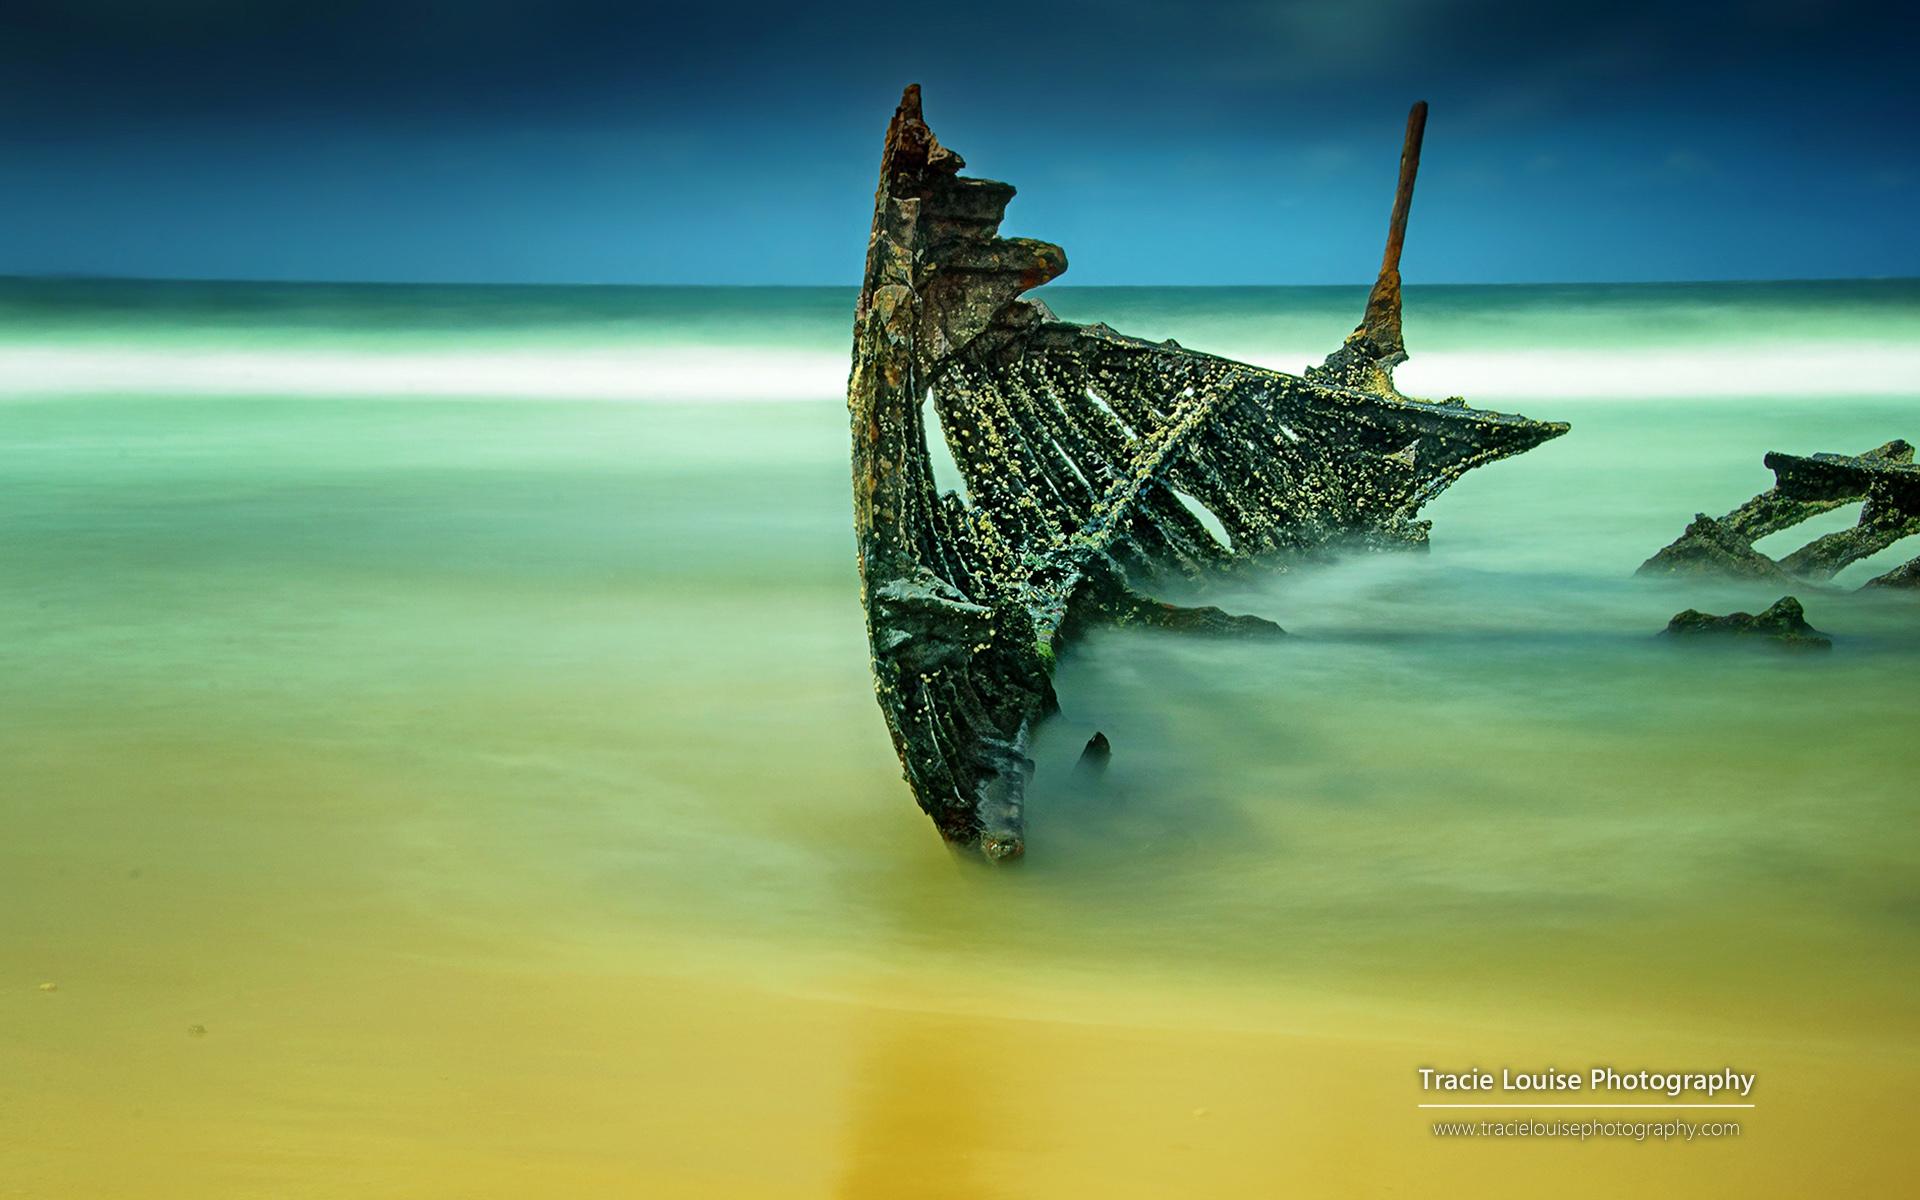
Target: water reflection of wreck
point(1092, 462)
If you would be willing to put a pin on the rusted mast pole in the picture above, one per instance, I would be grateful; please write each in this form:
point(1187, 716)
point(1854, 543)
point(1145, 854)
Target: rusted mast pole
point(1381, 325)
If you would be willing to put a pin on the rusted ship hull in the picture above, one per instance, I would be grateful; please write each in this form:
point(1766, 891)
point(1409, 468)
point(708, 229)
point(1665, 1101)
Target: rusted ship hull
point(1079, 448)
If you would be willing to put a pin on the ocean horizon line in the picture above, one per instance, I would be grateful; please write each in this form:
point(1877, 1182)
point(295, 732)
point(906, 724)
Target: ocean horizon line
point(1358, 284)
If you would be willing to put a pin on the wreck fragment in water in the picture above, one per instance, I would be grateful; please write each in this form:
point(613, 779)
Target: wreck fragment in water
point(1884, 481)
point(1079, 447)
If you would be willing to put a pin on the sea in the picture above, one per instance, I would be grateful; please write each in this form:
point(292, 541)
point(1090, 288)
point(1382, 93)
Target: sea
point(438, 758)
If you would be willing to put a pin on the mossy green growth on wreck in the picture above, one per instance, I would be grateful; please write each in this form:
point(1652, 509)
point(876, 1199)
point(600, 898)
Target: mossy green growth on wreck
point(1080, 449)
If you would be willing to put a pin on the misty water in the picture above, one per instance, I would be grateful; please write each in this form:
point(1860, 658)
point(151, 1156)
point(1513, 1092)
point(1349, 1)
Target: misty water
point(439, 755)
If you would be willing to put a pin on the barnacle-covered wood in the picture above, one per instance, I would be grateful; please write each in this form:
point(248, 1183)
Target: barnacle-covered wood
point(1884, 481)
point(1082, 451)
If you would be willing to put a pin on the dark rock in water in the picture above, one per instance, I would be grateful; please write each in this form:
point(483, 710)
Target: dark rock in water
point(1094, 759)
point(1884, 481)
point(1088, 460)
point(1785, 623)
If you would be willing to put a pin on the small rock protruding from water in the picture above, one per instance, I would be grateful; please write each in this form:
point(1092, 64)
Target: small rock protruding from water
point(1094, 759)
point(1785, 623)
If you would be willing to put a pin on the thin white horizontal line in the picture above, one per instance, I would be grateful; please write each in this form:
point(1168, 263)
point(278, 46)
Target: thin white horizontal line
point(1584, 1106)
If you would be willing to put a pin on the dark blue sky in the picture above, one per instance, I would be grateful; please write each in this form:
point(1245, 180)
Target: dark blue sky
point(586, 141)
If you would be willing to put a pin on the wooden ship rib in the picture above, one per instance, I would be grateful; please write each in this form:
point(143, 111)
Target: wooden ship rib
point(1884, 481)
point(1079, 447)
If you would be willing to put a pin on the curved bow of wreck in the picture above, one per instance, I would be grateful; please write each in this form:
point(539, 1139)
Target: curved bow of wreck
point(1080, 448)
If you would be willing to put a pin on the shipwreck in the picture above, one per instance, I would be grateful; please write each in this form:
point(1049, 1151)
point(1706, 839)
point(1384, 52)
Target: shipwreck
point(1087, 457)
point(1885, 483)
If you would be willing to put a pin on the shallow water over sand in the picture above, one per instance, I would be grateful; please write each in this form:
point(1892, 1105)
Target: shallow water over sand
point(428, 796)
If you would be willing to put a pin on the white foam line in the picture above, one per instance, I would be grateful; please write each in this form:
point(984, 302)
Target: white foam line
point(648, 373)
point(1718, 369)
point(720, 373)
point(1763, 369)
